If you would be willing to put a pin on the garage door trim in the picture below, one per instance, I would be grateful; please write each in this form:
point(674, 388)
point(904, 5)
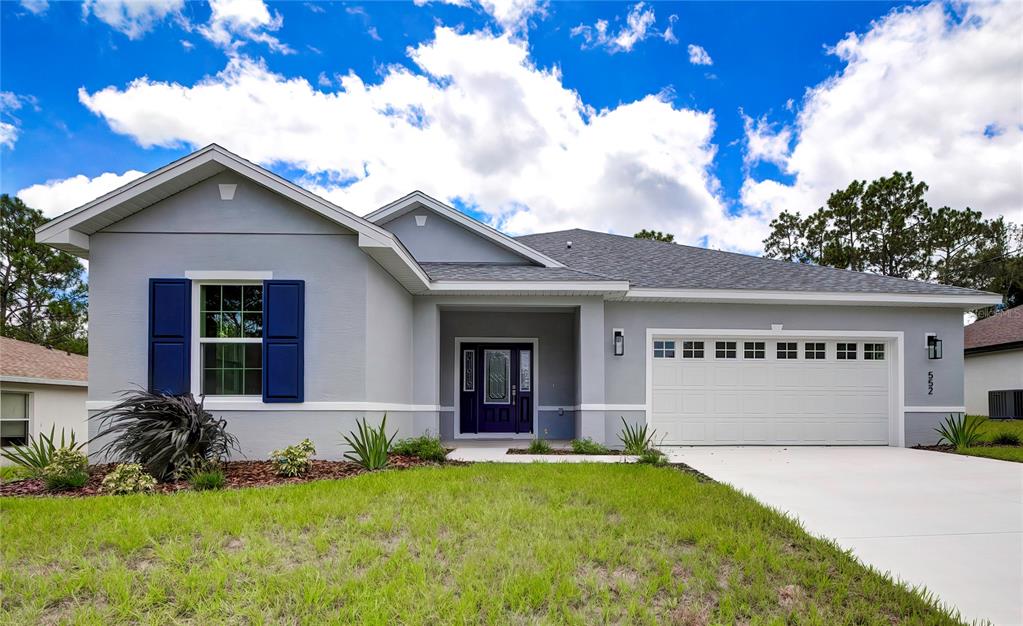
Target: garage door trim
point(896, 416)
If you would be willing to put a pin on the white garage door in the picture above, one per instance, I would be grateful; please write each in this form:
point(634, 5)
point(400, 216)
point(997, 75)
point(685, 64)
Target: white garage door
point(766, 391)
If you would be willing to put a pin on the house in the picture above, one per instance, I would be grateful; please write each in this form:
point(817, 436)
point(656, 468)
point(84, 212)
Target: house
point(41, 389)
point(994, 362)
point(294, 317)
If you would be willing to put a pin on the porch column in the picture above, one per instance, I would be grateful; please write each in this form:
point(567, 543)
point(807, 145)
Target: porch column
point(590, 417)
point(426, 364)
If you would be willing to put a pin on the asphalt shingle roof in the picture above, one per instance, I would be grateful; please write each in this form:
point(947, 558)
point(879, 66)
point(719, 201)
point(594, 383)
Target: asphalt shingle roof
point(28, 360)
point(485, 271)
point(999, 329)
point(655, 264)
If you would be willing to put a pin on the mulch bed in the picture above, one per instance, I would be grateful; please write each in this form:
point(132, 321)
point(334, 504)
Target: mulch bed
point(944, 447)
point(239, 474)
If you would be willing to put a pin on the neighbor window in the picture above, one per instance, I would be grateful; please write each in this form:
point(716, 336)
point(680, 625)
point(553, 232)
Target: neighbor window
point(846, 352)
point(692, 349)
point(13, 419)
point(873, 352)
point(815, 351)
point(231, 339)
point(788, 350)
point(724, 349)
point(664, 349)
point(753, 350)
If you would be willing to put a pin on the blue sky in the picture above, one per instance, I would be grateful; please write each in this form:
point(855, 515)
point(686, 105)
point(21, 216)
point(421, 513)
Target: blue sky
point(523, 113)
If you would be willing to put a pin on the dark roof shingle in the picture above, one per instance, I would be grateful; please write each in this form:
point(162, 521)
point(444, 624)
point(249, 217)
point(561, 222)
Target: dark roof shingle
point(490, 271)
point(999, 329)
point(654, 264)
point(27, 360)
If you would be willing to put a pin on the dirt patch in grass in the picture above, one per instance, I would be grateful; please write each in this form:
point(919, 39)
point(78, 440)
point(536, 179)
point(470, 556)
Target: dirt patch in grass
point(239, 474)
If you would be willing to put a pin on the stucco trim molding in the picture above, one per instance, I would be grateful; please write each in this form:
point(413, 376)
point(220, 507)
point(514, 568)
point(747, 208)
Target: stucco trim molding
point(935, 409)
point(259, 405)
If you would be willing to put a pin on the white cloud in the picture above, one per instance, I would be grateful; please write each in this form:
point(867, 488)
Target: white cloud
point(187, 45)
point(36, 7)
point(924, 90)
point(638, 23)
point(763, 143)
point(699, 56)
point(57, 196)
point(9, 123)
point(481, 124)
point(8, 134)
point(232, 22)
point(134, 18)
point(669, 32)
point(511, 15)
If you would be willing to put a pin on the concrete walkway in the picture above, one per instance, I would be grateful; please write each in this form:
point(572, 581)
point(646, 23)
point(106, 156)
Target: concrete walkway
point(953, 524)
point(486, 451)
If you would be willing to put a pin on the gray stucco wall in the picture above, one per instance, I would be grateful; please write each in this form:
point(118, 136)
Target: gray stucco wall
point(442, 240)
point(920, 427)
point(388, 339)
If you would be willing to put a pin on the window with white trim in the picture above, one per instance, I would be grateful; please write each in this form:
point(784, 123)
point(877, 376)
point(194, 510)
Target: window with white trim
point(724, 349)
point(231, 339)
point(754, 350)
point(873, 352)
point(664, 349)
point(846, 352)
point(13, 418)
point(815, 350)
point(788, 350)
point(692, 349)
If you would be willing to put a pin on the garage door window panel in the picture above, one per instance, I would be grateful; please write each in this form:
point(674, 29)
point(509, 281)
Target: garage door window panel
point(692, 350)
point(754, 350)
point(664, 349)
point(815, 351)
point(725, 349)
point(873, 352)
point(788, 350)
point(846, 351)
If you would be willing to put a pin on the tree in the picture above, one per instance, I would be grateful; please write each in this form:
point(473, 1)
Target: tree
point(43, 297)
point(655, 235)
point(887, 227)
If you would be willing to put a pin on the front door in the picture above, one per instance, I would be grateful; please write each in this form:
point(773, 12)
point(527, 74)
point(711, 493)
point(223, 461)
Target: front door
point(496, 388)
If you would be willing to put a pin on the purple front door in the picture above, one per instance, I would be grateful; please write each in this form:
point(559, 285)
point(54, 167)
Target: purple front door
point(496, 388)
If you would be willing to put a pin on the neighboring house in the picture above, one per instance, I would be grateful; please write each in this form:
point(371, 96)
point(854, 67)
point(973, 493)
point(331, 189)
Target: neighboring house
point(994, 359)
point(41, 388)
point(295, 317)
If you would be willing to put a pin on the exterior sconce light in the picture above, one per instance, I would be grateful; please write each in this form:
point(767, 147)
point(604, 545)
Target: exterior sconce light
point(933, 346)
point(618, 336)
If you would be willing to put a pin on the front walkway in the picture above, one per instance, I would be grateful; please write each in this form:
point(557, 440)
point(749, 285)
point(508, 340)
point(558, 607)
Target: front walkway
point(496, 451)
point(953, 524)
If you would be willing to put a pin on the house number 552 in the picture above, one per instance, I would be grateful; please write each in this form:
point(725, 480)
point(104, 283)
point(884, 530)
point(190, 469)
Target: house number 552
point(930, 383)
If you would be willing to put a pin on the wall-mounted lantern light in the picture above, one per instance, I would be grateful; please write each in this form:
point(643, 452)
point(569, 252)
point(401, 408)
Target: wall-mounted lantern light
point(933, 346)
point(618, 336)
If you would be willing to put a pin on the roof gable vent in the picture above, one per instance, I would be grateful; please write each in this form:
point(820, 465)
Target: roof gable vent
point(227, 191)
point(420, 220)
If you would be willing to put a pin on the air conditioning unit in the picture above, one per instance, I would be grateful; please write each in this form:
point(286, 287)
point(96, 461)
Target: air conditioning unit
point(1004, 404)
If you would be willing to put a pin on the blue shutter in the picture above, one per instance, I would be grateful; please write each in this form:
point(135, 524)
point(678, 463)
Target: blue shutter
point(170, 334)
point(283, 337)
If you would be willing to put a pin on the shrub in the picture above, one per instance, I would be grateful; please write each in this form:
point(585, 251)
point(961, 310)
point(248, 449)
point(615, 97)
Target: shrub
point(369, 445)
point(539, 446)
point(208, 479)
point(163, 433)
point(1006, 439)
point(652, 457)
point(37, 453)
point(588, 446)
point(293, 460)
point(67, 470)
point(426, 448)
point(636, 439)
point(128, 478)
point(961, 432)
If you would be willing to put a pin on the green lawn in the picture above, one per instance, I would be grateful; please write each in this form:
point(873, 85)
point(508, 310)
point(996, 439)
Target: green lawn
point(991, 428)
point(537, 543)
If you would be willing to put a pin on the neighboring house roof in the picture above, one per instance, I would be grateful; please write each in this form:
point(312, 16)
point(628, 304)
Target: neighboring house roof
point(25, 362)
point(1001, 331)
point(417, 199)
point(657, 265)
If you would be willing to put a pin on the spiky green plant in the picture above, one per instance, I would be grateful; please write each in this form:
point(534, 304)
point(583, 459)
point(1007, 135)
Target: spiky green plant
point(588, 446)
point(164, 433)
point(539, 446)
point(37, 453)
point(636, 439)
point(369, 445)
point(960, 431)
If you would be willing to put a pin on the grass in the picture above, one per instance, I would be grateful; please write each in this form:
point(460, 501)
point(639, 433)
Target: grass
point(13, 472)
point(487, 543)
point(989, 430)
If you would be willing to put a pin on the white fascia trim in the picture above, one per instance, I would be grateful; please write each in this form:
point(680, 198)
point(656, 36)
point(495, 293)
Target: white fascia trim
point(43, 381)
point(259, 405)
point(590, 286)
point(768, 332)
point(935, 409)
point(228, 275)
point(402, 205)
point(812, 297)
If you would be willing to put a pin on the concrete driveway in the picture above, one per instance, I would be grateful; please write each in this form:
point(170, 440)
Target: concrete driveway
point(950, 523)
